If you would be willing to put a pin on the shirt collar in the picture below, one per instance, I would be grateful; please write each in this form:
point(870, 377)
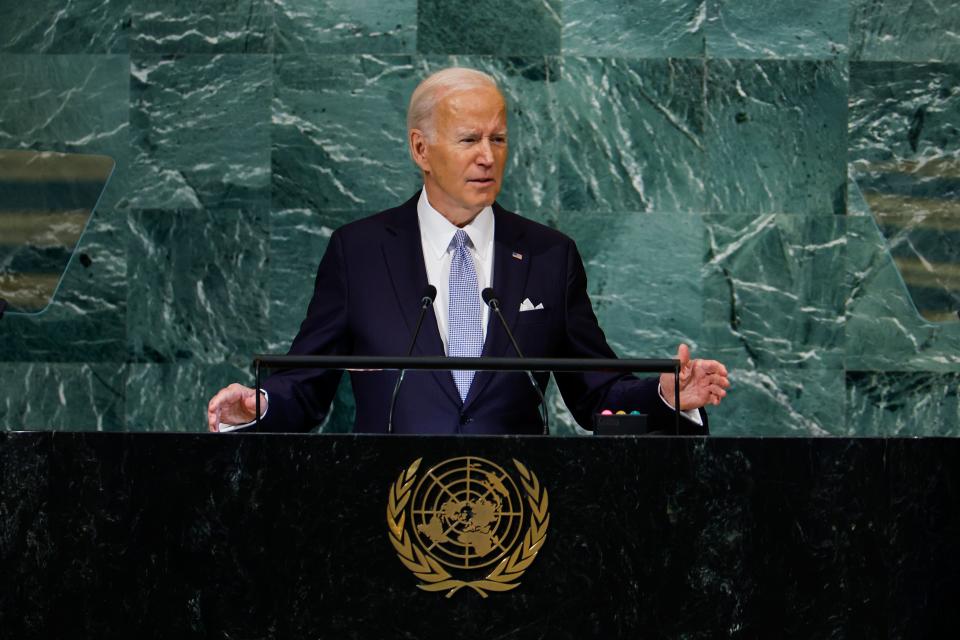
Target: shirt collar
point(439, 231)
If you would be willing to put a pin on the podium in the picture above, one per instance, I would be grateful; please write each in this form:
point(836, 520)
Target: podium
point(287, 536)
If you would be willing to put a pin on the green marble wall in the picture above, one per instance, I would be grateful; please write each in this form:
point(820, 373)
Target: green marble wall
point(775, 183)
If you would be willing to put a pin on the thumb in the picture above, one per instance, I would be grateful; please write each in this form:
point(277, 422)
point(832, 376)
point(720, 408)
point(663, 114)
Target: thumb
point(683, 355)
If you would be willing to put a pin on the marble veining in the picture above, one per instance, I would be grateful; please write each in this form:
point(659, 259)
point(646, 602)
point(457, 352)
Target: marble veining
point(174, 396)
point(501, 27)
point(763, 315)
point(199, 291)
point(646, 307)
point(776, 29)
point(640, 147)
point(345, 26)
point(909, 32)
point(903, 403)
point(776, 136)
point(214, 26)
point(657, 29)
point(341, 149)
point(785, 401)
point(79, 26)
point(774, 183)
point(185, 112)
point(62, 397)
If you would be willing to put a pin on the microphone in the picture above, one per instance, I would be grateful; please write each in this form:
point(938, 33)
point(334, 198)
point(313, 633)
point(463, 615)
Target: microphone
point(426, 301)
point(491, 300)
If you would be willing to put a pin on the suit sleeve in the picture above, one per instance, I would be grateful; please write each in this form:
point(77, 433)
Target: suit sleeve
point(300, 398)
point(588, 393)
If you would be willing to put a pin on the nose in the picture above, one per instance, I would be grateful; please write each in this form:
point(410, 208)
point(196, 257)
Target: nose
point(485, 153)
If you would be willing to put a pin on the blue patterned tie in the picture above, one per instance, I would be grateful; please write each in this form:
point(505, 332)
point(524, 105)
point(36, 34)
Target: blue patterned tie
point(464, 333)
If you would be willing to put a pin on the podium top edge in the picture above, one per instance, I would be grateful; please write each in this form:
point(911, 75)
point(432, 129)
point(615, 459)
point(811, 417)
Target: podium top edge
point(442, 363)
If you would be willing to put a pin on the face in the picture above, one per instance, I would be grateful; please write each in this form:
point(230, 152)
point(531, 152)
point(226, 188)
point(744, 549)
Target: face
point(464, 160)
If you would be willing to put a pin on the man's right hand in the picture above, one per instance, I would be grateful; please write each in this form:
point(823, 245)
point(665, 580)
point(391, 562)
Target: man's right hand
point(235, 404)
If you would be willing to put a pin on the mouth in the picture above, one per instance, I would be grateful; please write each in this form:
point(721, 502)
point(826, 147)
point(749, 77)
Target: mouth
point(482, 182)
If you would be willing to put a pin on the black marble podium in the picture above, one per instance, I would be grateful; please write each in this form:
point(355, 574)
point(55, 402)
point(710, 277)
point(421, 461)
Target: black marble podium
point(285, 536)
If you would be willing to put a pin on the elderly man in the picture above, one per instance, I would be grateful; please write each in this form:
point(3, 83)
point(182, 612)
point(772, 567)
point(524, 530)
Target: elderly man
point(453, 235)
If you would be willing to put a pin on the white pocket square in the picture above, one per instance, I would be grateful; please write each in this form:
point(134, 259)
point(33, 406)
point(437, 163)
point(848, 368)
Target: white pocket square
point(526, 305)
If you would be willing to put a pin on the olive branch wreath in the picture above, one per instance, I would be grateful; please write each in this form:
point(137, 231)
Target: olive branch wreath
point(435, 578)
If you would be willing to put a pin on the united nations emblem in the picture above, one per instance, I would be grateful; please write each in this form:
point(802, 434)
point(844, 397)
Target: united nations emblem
point(465, 523)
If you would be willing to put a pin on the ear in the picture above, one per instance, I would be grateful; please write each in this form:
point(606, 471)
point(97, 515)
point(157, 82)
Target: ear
point(419, 149)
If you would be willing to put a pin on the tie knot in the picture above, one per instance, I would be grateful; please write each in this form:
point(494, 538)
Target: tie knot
point(460, 239)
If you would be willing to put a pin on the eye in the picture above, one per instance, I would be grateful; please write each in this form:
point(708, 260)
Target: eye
point(468, 139)
point(498, 139)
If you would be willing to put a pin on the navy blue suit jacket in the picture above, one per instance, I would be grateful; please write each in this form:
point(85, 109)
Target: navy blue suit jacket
point(366, 302)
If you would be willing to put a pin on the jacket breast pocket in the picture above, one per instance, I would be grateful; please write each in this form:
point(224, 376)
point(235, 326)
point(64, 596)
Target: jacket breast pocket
point(533, 317)
point(536, 334)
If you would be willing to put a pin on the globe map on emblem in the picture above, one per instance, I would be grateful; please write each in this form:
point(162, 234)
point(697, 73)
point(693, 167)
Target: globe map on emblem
point(467, 512)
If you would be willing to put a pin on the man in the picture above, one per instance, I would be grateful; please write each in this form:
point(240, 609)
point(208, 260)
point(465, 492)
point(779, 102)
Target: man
point(454, 236)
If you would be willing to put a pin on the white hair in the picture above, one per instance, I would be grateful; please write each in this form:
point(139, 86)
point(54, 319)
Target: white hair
point(435, 87)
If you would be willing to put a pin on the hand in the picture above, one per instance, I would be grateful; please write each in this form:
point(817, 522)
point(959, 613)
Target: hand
point(702, 382)
point(235, 404)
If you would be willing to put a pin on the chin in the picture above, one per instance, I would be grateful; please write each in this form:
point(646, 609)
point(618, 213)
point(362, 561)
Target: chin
point(487, 196)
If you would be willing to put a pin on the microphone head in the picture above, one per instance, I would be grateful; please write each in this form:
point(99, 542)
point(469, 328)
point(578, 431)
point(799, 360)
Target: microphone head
point(489, 297)
point(429, 295)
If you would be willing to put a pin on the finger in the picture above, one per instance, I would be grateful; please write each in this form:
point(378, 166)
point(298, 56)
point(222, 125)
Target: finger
point(711, 398)
point(213, 414)
point(712, 366)
point(717, 394)
point(718, 397)
point(719, 381)
point(213, 407)
point(704, 371)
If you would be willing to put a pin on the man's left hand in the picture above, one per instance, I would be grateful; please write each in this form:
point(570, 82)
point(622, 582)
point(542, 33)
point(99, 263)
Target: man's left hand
point(702, 382)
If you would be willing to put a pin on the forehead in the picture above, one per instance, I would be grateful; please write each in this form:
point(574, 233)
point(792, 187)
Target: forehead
point(482, 107)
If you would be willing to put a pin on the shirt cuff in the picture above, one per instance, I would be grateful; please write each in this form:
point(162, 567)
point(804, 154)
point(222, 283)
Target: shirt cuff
point(226, 428)
point(693, 415)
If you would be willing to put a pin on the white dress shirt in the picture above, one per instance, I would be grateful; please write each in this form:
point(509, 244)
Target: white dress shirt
point(436, 233)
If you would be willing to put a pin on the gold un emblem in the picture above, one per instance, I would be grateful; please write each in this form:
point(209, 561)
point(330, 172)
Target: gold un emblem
point(465, 523)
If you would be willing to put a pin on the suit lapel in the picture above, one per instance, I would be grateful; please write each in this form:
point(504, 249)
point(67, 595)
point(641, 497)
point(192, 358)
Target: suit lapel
point(403, 254)
point(509, 282)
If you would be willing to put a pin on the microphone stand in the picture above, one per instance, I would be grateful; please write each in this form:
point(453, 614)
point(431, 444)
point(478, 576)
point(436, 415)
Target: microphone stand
point(429, 294)
point(494, 303)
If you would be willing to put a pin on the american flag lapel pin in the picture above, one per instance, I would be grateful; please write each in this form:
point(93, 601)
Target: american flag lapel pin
point(518, 256)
